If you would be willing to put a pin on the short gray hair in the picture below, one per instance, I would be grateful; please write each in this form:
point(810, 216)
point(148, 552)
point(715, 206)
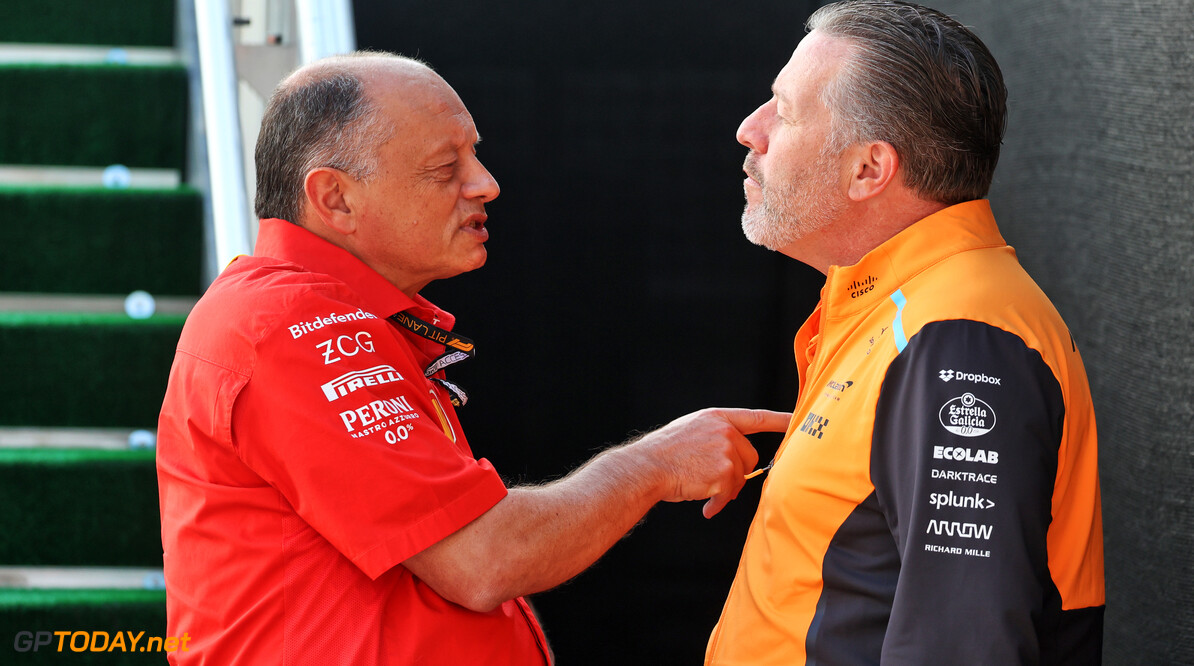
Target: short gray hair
point(318, 119)
point(924, 83)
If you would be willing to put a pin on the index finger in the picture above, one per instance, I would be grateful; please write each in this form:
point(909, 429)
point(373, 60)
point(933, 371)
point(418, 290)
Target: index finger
point(749, 421)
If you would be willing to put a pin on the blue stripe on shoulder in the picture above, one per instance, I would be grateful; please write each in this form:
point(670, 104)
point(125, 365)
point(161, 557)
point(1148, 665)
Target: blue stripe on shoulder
point(897, 325)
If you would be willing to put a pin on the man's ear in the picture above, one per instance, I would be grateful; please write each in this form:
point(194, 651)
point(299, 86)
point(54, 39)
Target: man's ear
point(326, 189)
point(873, 168)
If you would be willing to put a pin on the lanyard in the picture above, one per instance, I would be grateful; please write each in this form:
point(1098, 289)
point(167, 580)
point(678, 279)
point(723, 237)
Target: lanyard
point(457, 348)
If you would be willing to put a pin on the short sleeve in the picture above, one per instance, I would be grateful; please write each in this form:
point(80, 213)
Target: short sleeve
point(338, 417)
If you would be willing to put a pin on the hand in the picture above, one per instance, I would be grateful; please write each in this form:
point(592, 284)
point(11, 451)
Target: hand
point(706, 454)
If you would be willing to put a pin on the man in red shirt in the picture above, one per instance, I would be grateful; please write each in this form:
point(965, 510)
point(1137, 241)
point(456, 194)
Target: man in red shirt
point(320, 503)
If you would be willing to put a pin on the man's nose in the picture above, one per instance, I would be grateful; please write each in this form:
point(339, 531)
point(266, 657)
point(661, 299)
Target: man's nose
point(751, 133)
point(482, 185)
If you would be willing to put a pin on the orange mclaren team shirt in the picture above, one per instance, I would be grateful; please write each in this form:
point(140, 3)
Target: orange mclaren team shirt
point(302, 457)
point(936, 498)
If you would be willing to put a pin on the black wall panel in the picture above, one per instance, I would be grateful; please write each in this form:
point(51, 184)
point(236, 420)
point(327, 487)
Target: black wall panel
point(619, 291)
point(1095, 189)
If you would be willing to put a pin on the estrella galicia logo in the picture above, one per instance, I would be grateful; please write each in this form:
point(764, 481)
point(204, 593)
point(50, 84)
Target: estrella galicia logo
point(814, 425)
point(967, 416)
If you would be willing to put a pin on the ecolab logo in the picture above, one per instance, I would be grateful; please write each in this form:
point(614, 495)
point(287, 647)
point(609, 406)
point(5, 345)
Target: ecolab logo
point(965, 455)
point(345, 384)
point(859, 288)
point(947, 375)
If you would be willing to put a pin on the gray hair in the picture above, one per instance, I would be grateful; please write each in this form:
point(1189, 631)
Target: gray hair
point(922, 82)
point(321, 118)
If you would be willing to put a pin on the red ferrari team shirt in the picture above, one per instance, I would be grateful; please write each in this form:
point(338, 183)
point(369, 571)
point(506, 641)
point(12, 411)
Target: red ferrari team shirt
point(302, 457)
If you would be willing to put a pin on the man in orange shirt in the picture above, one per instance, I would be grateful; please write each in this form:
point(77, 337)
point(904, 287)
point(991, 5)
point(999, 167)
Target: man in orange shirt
point(320, 503)
point(936, 497)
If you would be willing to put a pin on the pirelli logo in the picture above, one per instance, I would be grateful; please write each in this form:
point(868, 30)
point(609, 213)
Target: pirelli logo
point(347, 383)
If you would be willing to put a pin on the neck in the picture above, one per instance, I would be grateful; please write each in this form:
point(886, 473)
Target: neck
point(859, 230)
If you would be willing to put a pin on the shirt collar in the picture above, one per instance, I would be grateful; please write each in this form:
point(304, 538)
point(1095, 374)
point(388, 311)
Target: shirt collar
point(279, 239)
point(965, 226)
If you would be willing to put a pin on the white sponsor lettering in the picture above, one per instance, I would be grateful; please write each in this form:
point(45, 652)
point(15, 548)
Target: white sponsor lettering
point(347, 383)
point(304, 327)
point(347, 345)
point(954, 528)
point(963, 376)
point(954, 550)
point(964, 454)
point(975, 501)
point(969, 477)
point(373, 412)
point(967, 416)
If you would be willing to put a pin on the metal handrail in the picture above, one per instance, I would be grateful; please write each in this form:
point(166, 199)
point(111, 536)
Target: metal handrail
point(221, 123)
point(325, 27)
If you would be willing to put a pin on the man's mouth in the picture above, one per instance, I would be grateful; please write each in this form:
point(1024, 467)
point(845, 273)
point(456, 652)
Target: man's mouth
point(475, 224)
point(749, 168)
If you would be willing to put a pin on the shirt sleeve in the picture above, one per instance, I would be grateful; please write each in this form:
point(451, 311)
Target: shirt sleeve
point(967, 428)
point(339, 418)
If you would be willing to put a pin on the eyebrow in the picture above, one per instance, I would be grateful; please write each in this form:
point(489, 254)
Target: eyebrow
point(444, 149)
point(778, 95)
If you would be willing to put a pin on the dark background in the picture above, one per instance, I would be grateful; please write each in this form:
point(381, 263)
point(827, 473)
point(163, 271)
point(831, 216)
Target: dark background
point(620, 293)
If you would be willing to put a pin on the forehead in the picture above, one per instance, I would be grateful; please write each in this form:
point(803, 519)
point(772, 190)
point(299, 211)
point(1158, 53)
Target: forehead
point(427, 114)
point(813, 64)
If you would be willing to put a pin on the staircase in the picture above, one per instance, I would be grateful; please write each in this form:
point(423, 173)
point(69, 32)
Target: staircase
point(93, 207)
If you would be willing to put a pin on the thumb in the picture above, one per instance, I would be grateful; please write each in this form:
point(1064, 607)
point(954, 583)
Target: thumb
point(714, 505)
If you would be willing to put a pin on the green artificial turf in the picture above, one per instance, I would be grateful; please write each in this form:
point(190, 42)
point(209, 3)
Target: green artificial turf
point(25, 613)
point(98, 22)
point(79, 508)
point(101, 241)
point(84, 370)
point(93, 115)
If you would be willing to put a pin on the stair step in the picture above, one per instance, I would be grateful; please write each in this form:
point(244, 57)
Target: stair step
point(81, 578)
point(76, 507)
point(15, 175)
point(89, 303)
point(62, 54)
point(84, 369)
point(127, 22)
point(101, 241)
point(29, 617)
point(111, 439)
point(93, 115)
